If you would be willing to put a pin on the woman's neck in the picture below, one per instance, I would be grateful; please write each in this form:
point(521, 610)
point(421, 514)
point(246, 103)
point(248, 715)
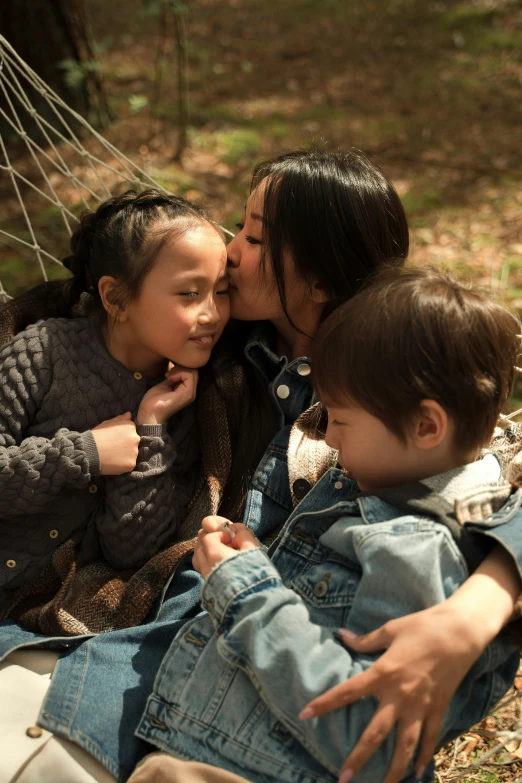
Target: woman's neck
point(292, 342)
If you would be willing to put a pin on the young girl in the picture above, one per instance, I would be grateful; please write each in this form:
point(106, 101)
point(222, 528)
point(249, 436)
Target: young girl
point(91, 448)
point(413, 373)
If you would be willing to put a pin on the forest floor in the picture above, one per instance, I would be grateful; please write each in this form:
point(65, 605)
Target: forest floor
point(429, 90)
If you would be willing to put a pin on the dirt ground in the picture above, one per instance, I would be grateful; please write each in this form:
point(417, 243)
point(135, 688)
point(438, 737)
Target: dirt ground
point(430, 91)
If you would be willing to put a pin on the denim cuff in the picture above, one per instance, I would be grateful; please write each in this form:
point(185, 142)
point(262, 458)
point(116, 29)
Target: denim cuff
point(234, 576)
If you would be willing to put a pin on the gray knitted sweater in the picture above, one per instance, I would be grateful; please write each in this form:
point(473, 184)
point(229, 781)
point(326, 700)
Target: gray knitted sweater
point(57, 382)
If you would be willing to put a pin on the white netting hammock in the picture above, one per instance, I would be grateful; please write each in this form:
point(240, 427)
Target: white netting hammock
point(59, 169)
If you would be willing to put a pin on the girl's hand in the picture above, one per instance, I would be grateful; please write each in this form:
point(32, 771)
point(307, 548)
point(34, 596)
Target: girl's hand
point(215, 544)
point(168, 397)
point(117, 442)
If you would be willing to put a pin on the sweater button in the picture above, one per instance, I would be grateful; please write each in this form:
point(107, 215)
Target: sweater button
point(283, 391)
point(53, 534)
point(11, 563)
point(138, 376)
point(93, 488)
point(34, 732)
point(300, 487)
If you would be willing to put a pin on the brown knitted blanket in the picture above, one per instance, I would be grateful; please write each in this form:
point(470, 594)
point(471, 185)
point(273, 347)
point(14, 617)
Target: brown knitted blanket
point(65, 599)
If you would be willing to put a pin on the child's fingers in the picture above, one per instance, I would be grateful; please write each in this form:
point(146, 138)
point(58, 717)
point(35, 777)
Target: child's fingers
point(212, 524)
point(243, 538)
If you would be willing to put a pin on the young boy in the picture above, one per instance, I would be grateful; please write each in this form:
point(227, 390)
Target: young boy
point(413, 373)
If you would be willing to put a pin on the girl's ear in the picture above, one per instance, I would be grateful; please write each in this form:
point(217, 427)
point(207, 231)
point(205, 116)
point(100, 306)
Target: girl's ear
point(108, 288)
point(319, 295)
point(431, 425)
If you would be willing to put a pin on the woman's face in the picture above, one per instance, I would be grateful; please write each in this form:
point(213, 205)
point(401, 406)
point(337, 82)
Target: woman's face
point(253, 290)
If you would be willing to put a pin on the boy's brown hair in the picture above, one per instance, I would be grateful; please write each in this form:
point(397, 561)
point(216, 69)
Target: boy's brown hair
point(417, 334)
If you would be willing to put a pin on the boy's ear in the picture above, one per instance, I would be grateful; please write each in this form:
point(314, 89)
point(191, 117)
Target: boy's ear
point(107, 288)
point(431, 425)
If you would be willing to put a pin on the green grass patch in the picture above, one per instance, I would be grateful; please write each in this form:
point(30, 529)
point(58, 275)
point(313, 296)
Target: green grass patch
point(238, 144)
point(418, 203)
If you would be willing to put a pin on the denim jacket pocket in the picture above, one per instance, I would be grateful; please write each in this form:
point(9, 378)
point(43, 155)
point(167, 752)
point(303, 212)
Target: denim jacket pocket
point(328, 589)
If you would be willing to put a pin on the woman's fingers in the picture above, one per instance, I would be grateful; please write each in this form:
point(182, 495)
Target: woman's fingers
point(370, 740)
point(371, 642)
point(406, 740)
point(340, 695)
point(430, 736)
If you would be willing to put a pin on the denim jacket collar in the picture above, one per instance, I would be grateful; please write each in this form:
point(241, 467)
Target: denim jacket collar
point(289, 381)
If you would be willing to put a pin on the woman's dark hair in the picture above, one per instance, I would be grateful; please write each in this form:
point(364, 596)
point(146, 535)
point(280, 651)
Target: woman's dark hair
point(122, 238)
point(337, 216)
point(419, 334)
point(341, 220)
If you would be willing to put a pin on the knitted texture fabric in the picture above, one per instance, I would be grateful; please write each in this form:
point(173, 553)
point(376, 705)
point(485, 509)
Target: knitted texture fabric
point(72, 578)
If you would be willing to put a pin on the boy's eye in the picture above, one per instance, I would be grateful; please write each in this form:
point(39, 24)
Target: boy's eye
point(240, 226)
point(224, 292)
point(188, 293)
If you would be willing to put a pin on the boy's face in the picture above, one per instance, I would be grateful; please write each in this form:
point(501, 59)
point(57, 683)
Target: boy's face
point(369, 453)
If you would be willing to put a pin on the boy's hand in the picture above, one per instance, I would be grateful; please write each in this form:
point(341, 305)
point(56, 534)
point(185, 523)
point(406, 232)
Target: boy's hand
point(168, 397)
point(117, 442)
point(215, 544)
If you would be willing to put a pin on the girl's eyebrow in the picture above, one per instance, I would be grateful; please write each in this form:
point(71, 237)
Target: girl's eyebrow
point(255, 216)
point(196, 276)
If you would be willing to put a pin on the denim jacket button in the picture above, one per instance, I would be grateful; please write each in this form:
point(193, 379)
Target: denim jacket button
point(321, 589)
point(338, 485)
point(304, 369)
point(283, 391)
point(300, 488)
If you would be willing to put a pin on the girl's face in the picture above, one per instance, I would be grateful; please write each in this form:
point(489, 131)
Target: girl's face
point(183, 304)
point(253, 290)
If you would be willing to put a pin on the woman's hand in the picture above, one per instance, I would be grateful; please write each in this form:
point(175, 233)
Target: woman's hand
point(168, 397)
point(117, 442)
point(216, 544)
point(427, 656)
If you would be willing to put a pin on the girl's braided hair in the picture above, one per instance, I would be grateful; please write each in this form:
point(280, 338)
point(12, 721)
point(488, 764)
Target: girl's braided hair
point(122, 238)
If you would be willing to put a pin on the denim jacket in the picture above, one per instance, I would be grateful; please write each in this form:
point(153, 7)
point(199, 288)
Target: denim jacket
point(233, 682)
point(99, 688)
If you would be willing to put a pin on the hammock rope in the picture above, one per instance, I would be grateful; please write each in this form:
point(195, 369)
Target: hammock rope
point(17, 80)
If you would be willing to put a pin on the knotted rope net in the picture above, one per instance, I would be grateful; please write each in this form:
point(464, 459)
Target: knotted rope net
point(58, 170)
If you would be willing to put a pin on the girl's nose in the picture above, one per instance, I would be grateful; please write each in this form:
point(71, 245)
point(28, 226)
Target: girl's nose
point(209, 314)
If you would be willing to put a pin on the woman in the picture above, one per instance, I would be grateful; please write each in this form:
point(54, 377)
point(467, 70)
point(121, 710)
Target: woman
point(316, 226)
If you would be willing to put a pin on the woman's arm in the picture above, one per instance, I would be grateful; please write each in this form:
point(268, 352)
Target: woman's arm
point(427, 656)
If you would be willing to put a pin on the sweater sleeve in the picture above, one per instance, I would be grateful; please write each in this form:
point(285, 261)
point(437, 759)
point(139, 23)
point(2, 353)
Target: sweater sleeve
point(33, 470)
point(144, 508)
